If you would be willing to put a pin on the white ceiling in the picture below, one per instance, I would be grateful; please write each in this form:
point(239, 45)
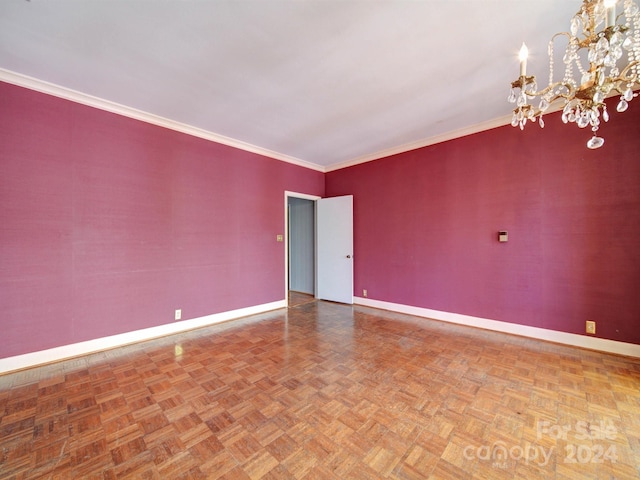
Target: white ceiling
point(328, 82)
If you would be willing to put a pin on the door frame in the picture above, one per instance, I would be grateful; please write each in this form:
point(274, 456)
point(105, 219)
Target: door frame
point(305, 196)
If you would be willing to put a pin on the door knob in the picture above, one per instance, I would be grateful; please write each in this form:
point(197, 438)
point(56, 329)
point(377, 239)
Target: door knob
point(348, 256)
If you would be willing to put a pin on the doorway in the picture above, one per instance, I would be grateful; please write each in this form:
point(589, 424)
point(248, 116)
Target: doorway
point(319, 248)
point(301, 243)
point(300, 255)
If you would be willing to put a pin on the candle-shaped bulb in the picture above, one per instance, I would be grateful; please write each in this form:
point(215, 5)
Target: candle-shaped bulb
point(524, 53)
point(610, 6)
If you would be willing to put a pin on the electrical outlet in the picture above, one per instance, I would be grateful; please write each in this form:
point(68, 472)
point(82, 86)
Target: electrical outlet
point(178, 315)
point(364, 292)
point(591, 327)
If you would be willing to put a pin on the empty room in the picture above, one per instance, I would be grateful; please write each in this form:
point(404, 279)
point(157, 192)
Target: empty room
point(319, 239)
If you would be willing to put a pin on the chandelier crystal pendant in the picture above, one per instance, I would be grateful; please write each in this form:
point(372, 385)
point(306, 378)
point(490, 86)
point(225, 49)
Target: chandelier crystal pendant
point(605, 40)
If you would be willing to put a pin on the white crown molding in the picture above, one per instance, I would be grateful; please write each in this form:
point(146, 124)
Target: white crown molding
point(425, 142)
point(572, 339)
point(444, 137)
point(106, 105)
point(42, 86)
point(82, 98)
point(64, 352)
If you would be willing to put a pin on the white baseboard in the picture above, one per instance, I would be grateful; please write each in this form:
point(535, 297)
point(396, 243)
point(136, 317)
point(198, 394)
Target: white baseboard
point(28, 360)
point(51, 355)
point(582, 341)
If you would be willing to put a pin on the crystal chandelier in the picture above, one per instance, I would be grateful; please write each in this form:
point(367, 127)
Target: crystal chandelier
point(600, 38)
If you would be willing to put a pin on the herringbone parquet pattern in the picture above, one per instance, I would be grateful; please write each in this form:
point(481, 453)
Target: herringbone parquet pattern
point(326, 391)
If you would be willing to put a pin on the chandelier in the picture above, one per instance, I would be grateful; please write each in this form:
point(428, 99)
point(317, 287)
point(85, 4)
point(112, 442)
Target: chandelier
point(600, 38)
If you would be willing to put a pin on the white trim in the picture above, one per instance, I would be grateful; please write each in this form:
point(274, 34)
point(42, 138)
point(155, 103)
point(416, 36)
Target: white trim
point(425, 142)
point(119, 109)
point(106, 105)
point(443, 137)
point(41, 357)
point(288, 194)
point(582, 341)
point(304, 196)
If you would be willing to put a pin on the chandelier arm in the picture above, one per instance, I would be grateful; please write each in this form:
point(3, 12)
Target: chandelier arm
point(570, 91)
point(623, 74)
point(567, 34)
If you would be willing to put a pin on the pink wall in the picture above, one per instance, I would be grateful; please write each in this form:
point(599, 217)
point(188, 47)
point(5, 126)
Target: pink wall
point(109, 224)
point(426, 225)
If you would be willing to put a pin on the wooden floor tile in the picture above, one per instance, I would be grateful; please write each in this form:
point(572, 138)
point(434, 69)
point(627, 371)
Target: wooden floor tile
point(326, 391)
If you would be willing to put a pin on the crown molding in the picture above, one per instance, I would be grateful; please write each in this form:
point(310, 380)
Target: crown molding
point(425, 142)
point(48, 88)
point(444, 137)
point(78, 97)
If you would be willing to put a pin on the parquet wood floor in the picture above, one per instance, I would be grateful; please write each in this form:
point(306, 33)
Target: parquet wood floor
point(326, 391)
point(298, 298)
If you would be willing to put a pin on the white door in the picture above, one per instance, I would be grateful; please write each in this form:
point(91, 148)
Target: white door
point(334, 268)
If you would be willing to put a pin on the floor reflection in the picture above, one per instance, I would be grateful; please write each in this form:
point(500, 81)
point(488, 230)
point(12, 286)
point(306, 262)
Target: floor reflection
point(318, 390)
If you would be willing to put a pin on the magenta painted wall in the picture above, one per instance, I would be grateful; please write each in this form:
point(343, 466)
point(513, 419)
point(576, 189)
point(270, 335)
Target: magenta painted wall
point(426, 225)
point(109, 224)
